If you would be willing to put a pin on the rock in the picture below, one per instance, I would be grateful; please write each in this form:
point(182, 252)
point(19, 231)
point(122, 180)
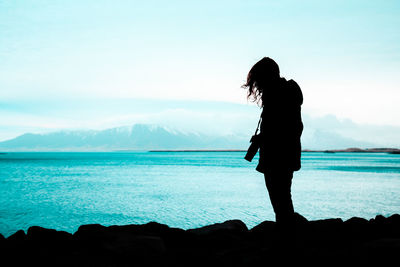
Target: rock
point(357, 229)
point(219, 242)
point(299, 219)
point(132, 244)
point(151, 229)
point(395, 219)
point(356, 221)
point(264, 234)
point(40, 234)
point(324, 234)
point(384, 243)
point(115, 245)
point(379, 219)
point(230, 226)
point(18, 236)
point(2, 240)
point(386, 227)
point(103, 233)
point(16, 249)
point(381, 252)
point(48, 247)
point(264, 228)
point(91, 232)
point(330, 241)
point(378, 227)
point(393, 225)
point(326, 226)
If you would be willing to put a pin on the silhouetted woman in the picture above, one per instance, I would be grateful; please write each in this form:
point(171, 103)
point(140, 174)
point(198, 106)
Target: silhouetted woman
point(280, 132)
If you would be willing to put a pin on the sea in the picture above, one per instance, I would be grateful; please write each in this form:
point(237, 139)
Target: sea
point(63, 190)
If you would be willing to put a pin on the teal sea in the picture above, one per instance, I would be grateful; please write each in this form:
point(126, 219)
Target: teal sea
point(185, 189)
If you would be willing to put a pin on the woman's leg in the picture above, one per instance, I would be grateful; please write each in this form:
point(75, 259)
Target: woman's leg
point(279, 184)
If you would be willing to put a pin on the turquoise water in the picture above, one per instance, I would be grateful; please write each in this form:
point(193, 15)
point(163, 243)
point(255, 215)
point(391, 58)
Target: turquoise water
point(185, 189)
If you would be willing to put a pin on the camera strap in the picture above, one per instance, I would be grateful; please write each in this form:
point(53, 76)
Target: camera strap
point(258, 125)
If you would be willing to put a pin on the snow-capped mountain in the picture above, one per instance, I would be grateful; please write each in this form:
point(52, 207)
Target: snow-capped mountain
point(136, 137)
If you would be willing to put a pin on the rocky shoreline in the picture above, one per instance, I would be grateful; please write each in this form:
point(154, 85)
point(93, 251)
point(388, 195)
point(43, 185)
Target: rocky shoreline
point(359, 150)
point(326, 242)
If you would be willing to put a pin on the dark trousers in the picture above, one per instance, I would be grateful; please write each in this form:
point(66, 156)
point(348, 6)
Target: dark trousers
point(279, 184)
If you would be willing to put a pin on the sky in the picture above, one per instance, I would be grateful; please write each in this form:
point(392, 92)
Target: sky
point(96, 64)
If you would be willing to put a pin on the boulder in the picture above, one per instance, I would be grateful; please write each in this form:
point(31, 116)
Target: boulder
point(17, 237)
point(40, 234)
point(233, 226)
point(91, 232)
point(149, 229)
point(265, 228)
point(355, 241)
point(357, 229)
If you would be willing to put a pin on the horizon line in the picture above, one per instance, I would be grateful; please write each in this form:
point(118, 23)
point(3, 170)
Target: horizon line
point(347, 150)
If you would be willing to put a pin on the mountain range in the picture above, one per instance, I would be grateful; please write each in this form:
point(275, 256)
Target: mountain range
point(155, 137)
point(136, 137)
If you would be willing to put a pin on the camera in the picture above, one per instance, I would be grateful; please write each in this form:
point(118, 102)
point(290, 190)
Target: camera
point(253, 148)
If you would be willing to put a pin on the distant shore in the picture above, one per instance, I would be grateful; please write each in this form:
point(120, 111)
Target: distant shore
point(359, 150)
point(355, 149)
point(347, 150)
point(198, 150)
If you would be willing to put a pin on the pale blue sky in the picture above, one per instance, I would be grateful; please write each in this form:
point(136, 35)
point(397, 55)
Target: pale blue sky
point(344, 54)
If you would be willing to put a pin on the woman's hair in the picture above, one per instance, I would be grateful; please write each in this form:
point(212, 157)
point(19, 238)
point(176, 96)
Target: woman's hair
point(260, 74)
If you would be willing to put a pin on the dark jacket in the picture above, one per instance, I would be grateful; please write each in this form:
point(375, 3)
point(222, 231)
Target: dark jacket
point(281, 127)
